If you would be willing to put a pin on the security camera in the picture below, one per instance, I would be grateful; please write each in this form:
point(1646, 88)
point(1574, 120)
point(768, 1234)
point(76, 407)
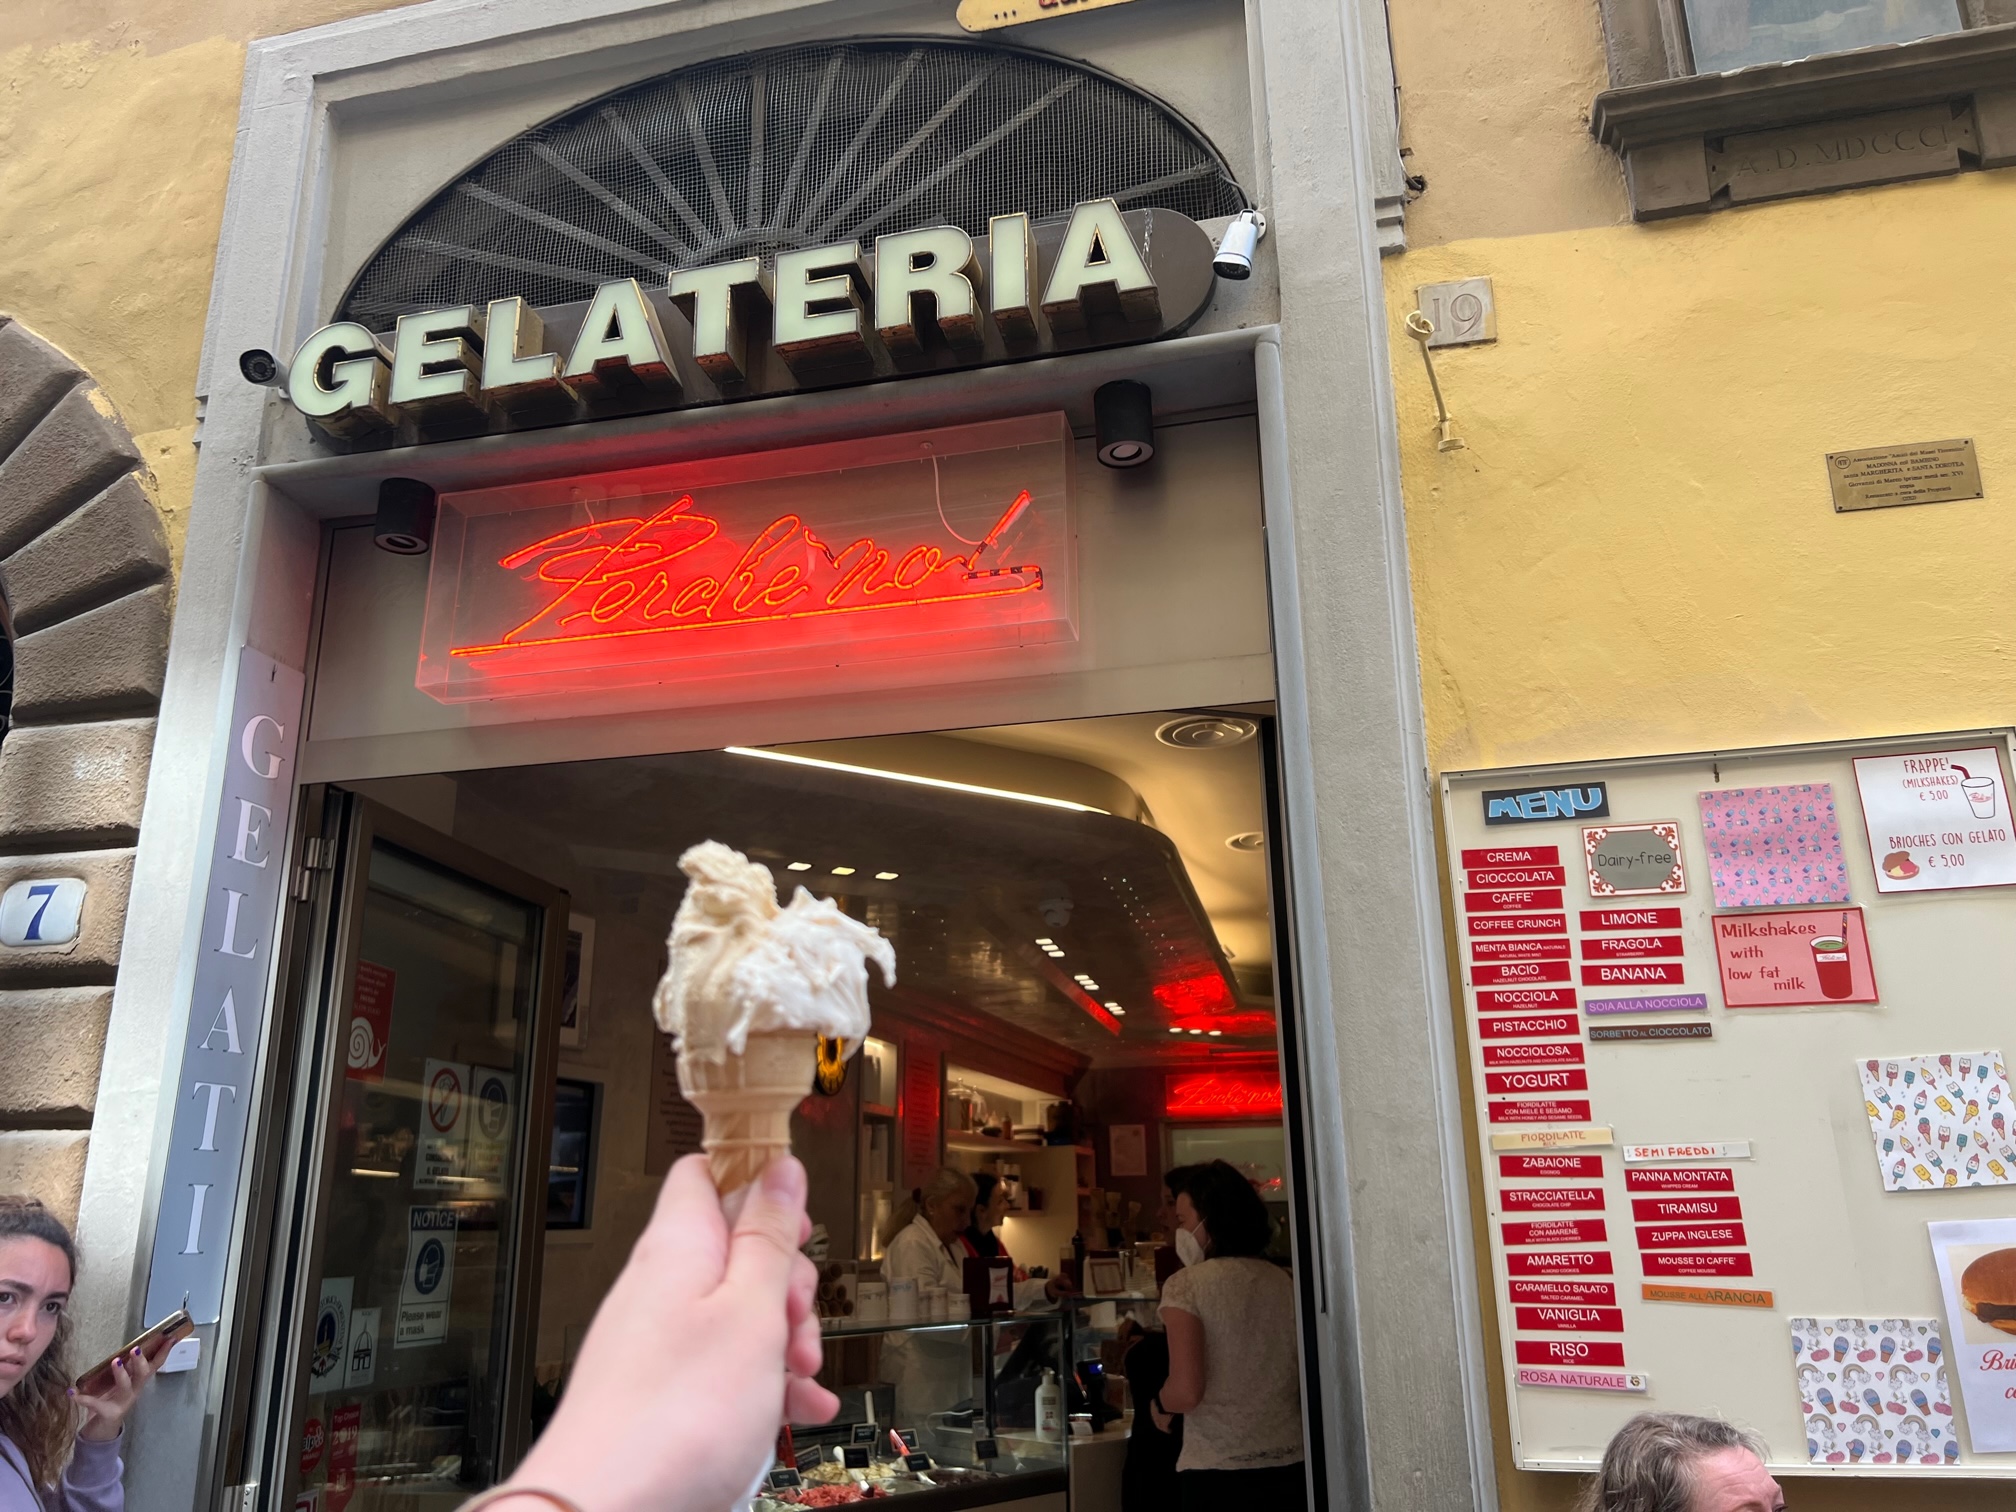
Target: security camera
point(256, 365)
point(1056, 912)
point(1123, 422)
point(1235, 247)
point(404, 524)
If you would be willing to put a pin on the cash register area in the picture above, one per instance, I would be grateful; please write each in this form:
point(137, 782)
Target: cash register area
point(1085, 999)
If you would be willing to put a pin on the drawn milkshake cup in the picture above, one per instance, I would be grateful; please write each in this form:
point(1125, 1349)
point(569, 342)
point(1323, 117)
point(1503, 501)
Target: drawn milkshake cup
point(1830, 963)
point(1980, 793)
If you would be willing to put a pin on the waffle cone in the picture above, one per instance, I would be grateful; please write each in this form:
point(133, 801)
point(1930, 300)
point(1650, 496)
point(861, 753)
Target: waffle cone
point(746, 1102)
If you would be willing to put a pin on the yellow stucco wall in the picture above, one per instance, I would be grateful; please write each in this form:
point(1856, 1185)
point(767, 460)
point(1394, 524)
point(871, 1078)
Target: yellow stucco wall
point(1636, 551)
point(116, 129)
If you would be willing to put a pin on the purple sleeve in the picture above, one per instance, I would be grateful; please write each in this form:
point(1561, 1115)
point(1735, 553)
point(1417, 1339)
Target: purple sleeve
point(92, 1481)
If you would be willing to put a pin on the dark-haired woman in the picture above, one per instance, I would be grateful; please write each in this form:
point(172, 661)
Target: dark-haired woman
point(981, 1237)
point(1233, 1375)
point(48, 1461)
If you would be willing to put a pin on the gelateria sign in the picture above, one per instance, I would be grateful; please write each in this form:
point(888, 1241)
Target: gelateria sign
point(921, 301)
point(806, 569)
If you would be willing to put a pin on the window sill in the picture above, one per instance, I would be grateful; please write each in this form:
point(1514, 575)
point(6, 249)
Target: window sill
point(1668, 132)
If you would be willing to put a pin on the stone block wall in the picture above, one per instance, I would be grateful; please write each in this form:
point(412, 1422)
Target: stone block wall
point(85, 595)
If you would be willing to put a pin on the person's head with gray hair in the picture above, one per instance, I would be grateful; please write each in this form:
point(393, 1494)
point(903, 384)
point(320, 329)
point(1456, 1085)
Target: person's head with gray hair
point(1670, 1462)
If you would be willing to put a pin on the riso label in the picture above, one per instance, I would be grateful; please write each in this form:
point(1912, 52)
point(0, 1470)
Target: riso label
point(1567, 1352)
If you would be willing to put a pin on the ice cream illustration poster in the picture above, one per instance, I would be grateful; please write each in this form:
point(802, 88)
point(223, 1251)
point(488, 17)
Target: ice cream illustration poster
point(1873, 1391)
point(1940, 1121)
point(1938, 820)
point(1774, 845)
point(1977, 1275)
point(1809, 957)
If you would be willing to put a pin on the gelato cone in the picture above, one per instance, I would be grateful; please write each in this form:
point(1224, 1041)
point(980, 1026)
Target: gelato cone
point(748, 991)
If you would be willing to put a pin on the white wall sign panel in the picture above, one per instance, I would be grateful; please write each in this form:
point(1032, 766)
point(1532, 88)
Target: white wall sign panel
point(1718, 1115)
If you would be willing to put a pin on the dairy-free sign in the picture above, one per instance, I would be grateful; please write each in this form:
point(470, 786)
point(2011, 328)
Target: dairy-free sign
point(1938, 820)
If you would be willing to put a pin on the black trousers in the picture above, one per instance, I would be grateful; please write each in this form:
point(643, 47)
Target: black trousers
point(1282, 1487)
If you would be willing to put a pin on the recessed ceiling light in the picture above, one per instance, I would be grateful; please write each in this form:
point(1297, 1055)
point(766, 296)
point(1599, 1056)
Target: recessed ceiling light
point(799, 866)
point(885, 876)
point(1174, 1029)
point(912, 777)
point(843, 871)
point(1196, 1031)
point(1206, 732)
point(1116, 1010)
point(1214, 1033)
point(1046, 943)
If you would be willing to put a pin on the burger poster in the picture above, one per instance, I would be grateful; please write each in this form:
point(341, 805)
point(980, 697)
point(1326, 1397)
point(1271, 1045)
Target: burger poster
point(1938, 820)
point(1977, 1273)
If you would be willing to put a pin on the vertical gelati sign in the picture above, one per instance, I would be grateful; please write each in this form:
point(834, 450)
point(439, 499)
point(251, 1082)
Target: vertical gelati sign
point(227, 1009)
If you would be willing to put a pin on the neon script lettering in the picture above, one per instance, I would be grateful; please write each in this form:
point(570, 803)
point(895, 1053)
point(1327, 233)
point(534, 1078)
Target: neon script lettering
point(675, 570)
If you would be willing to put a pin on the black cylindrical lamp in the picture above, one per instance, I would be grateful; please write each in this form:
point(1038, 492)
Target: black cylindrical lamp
point(405, 521)
point(1123, 418)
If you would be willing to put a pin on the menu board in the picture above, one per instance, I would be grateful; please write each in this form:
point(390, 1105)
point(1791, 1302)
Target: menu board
point(1739, 1028)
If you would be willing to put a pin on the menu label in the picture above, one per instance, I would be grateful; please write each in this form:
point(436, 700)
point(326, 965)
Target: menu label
point(1685, 1236)
point(1513, 855)
point(1567, 1352)
point(1681, 1209)
point(1542, 1166)
point(1521, 999)
point(1727, 1263)
point(1681, 1179)
point(1519, 924)
point(1551, 1053)
point(1550, 1199)
point(1595, 919)
point(1565, 1080)
point(1540, 1111)
point(1561, 1263)
point(1528, 971)
point(1556, 1231)
point(1593, 1293)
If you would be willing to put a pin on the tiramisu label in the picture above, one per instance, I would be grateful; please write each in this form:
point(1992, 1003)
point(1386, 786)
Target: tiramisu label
point(1527, 1026)
point(1560, 1263)
point(1595, 919)
point(1690, 1235)
point(1567, 1079)
point(1681, 1179)
point(1540, 1111)
point(1556, 1231)
point(1728, 1263)
point(1684, 1209)
point(1551, 1199)
point(1568, 1319)
point(1541, 1167)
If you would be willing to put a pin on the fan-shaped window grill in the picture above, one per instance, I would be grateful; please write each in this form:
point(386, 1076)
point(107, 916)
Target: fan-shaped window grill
point(789, 147)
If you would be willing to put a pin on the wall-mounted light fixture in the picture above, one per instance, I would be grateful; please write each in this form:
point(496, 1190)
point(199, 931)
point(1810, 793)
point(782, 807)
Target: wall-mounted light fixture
point(1422, 329)
point(405, 520)
point(1123, 418)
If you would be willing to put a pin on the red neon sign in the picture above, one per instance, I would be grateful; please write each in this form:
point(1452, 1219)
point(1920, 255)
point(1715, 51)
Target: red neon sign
point(848, 560)
point(1223, 1094)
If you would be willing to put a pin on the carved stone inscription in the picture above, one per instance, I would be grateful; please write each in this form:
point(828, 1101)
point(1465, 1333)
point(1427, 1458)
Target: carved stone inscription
point(1872, 149)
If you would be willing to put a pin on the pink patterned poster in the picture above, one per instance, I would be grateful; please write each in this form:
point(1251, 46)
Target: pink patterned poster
point(1873, 1391)
point(1773, 845)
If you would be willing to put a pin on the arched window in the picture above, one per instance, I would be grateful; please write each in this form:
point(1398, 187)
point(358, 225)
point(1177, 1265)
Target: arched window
point(789, 147)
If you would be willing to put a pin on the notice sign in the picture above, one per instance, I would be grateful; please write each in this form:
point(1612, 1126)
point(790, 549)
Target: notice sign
point(1806, 957)
point(1937, 820)
point(430, 1277)
point(1883, 477)
point(444, 1132)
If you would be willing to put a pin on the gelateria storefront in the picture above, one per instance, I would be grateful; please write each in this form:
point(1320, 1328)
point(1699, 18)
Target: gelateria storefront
point(758, 449)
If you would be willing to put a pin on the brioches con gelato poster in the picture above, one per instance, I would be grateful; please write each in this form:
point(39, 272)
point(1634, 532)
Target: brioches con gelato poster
point(1977, 1275)
point(1940, 1121)
point(1874, 1391)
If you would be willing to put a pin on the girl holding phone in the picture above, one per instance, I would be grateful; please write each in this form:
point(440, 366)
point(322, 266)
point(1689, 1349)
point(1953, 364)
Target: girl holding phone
point(52, 1458)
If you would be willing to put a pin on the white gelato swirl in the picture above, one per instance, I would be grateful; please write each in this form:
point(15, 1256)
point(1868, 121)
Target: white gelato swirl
point(739, 965)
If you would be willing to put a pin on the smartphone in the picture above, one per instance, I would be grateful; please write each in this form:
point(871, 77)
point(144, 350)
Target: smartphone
point(154, 1343)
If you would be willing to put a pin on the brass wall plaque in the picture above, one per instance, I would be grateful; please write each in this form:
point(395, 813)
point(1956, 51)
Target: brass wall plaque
point(992, 15)
point(1873, 149)
point(1882, 477)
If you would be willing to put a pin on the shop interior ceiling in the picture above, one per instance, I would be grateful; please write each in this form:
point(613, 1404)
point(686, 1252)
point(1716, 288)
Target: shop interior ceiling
point(1145, 899)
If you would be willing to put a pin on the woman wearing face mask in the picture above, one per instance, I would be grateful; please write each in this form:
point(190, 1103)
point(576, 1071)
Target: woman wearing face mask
point(49, 1461)
point(1148, 1475)
point(934, 1372)
point(1232, 1361)
point(981, 1237)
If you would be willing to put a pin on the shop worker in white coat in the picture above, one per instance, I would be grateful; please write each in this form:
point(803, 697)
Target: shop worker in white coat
point(934, 1372)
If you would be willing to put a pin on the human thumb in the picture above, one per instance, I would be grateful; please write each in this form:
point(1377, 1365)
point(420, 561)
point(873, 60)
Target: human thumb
point(763, 1245)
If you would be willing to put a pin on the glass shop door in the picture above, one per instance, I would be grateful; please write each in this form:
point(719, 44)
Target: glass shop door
point(411, 1304)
